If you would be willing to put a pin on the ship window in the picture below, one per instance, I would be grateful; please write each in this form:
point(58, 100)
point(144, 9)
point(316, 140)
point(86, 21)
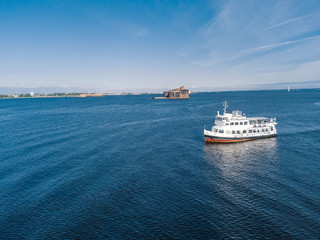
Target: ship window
point(244, 131)
point(227, 123)
point(258, 130)
point(254, 130)
point(245, 123)
point(221, 131)
point(228, 132)
point(219, 118)
point(262, 130)
point(252, 122)
point(233, 132)
point(215, 130)
point(250, 131)
point(241, 123)
point(232, 123)
point(271, 128)
point(236, 123)
point(238, 131)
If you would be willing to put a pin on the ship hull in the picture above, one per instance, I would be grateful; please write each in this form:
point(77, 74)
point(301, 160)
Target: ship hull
point(211, 139)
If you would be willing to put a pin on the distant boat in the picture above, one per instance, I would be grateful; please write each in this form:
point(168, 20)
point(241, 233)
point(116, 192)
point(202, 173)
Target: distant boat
point(288, 89)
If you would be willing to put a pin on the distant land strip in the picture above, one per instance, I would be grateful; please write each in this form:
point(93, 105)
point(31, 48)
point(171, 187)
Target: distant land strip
point(61, 95)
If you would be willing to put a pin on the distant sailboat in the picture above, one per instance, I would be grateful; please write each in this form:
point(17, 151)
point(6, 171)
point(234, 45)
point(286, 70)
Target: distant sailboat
point(288, 89)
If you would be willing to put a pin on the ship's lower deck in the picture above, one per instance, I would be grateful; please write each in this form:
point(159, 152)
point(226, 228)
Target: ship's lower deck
point(213, 139)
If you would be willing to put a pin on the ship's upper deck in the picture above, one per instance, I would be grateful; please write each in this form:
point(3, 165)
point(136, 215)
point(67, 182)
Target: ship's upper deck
point(229, 117)
point(257, 118)
point(237, 117)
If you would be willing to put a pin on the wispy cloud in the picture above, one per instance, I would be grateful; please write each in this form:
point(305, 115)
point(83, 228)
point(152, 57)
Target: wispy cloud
point(271, 46)
point(246, 52)
point(202, 63)
point(286, 22)
point(119, 25)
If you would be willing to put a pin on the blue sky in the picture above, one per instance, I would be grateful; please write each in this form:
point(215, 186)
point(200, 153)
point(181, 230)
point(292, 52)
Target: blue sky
point(136, 45)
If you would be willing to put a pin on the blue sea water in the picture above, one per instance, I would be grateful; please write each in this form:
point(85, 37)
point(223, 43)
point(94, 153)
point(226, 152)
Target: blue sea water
point(129, 167)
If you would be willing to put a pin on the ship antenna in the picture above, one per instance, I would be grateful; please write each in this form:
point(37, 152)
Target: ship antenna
point(225, 105)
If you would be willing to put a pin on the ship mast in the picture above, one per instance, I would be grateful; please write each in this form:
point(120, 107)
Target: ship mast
point(225, 105)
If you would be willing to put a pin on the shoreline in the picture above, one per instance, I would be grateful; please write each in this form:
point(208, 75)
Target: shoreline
point(41, 97)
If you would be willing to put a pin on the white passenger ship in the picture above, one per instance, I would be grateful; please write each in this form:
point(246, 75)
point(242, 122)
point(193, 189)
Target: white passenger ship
point(236, 127)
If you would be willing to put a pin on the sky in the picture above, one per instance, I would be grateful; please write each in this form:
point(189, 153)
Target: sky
point(105, 45)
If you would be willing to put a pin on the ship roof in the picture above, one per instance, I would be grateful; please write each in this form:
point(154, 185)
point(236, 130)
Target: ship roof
point(257, 118)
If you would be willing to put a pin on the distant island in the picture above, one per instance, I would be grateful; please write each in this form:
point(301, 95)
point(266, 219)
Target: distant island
point(40, 95)
point(60, 95)
point(51, 95)
point(178, 93)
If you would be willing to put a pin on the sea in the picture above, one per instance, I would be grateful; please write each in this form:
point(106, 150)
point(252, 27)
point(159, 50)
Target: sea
point(130, 167)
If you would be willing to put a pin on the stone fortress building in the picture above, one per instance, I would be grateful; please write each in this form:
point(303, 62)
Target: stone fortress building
point(178, 93)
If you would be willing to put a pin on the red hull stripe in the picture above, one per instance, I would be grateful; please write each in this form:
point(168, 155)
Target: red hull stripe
point(230, 140)
point(227, 140)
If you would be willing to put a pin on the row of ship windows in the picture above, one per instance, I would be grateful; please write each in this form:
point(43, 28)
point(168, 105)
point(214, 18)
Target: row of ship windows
point(237, 123)
point(244, 131)
point(246, 123)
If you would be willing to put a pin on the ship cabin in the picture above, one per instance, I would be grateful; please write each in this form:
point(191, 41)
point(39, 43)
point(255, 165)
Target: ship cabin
point(238, 118)
point(238, 123)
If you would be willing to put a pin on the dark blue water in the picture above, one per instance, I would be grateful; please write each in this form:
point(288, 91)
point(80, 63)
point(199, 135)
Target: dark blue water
point(132, 167)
